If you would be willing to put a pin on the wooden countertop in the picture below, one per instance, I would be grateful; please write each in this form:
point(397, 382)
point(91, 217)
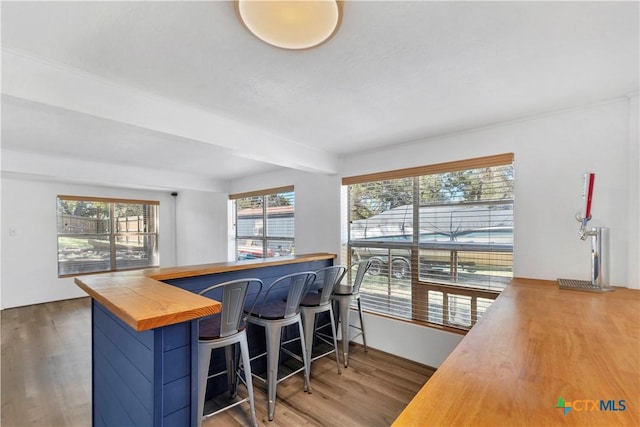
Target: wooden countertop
point(142, 301)
point(535, 345)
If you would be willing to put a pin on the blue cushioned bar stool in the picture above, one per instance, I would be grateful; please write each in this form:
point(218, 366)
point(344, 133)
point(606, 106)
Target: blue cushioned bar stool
point(280, 307)
point(315, 303)
point(225, 330)
point(343, 296)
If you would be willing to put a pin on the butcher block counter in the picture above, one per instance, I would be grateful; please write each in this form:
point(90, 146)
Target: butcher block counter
point(540, 356)
point(141, 299)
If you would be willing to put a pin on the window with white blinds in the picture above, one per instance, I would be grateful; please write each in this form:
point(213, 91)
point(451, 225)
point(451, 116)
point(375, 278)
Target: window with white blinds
point(98, 235)
point(264, 223)
point(440, 238)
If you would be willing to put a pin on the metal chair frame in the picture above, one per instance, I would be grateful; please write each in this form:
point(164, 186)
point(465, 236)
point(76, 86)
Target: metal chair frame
point(298, 284)
point(331, 276)
point(342, 297)
point(232, 332)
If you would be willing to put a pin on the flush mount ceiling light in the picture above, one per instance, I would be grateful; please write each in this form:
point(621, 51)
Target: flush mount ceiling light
point(291, 24)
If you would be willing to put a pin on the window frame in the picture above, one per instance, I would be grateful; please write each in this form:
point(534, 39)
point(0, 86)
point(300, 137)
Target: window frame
point(264, 238)
point(113, 234)
point(420, 287)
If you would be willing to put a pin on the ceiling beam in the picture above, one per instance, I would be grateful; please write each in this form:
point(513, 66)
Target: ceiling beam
point(65, 169)
point(30, 78)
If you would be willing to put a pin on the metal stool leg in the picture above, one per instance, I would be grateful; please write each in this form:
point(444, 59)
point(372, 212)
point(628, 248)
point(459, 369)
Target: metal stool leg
point(335, 340)
point(204, 358)
point(244, 351)
point(345, 318)
point(309, 322)
point(364, 339)
point(230, 359)
point(305, 357)
point(273, 334)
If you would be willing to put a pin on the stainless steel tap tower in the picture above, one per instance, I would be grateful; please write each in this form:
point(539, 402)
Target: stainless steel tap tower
point(599, 258)
point(599, 262)
point(599, 249)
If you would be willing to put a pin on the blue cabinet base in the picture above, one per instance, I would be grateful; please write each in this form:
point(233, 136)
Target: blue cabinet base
point(143, 378)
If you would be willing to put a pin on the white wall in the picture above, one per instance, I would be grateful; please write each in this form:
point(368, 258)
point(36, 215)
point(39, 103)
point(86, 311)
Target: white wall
point(201, 227)
point(551, 154)
point(29, 245)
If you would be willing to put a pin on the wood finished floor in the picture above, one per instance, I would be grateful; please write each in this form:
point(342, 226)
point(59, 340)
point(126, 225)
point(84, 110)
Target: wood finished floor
point(46, 378)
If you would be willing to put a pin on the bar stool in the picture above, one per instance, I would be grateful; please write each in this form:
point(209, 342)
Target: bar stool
point(280, 307)
point(342, 296)
point(315, 303)
point(226, 329)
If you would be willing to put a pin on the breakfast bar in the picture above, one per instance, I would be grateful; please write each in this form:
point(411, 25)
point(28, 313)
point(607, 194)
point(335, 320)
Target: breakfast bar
point(540, 356)
point(145, 336)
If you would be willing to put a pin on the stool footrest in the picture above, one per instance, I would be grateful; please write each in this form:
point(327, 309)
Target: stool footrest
point(285, 370)
point(229, 406)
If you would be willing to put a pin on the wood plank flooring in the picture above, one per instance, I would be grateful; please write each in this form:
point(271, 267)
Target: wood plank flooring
point(46, 364)
point(46, 378)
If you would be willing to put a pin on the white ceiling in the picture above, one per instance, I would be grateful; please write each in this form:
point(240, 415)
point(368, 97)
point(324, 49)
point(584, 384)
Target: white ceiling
point(182, 86)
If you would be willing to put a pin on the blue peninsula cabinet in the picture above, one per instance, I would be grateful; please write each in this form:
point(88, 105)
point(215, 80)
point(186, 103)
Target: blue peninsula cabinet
point(145, 336)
